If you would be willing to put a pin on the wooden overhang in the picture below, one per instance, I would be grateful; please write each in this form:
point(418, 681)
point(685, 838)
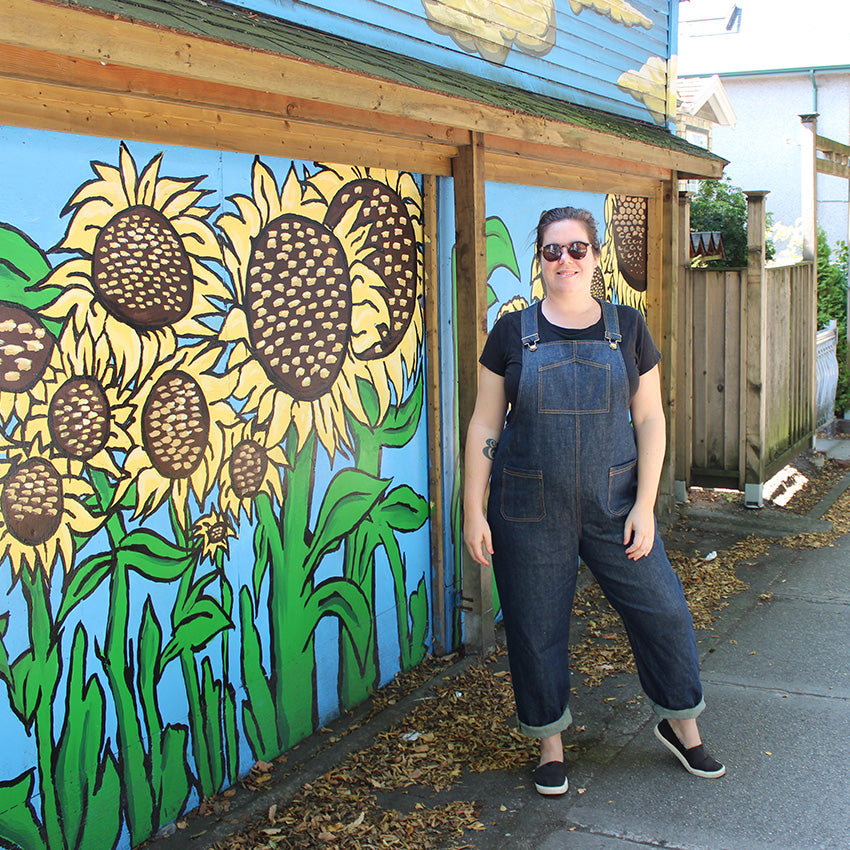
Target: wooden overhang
point(203, 73)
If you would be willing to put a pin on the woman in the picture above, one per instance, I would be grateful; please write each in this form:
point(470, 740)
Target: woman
point(574, 474)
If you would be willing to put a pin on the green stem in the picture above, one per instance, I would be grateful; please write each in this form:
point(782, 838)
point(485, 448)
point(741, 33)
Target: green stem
point(41, 635)
point(292, 658)
point(141, 809)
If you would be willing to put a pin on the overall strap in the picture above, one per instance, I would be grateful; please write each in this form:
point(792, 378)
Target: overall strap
point(612, 324)
point(530, 336)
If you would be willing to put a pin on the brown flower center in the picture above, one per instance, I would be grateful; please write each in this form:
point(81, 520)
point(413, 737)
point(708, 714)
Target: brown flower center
point(140, 269)
point(248, 465)
point(32, 501)
point(176, 425)
point(25, 348)
point(298, 303)
point(79, 418)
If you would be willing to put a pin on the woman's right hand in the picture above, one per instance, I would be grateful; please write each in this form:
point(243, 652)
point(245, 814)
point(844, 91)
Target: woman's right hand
point(477, 537)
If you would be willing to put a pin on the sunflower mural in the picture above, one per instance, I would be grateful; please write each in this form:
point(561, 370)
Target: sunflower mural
point(169, 392)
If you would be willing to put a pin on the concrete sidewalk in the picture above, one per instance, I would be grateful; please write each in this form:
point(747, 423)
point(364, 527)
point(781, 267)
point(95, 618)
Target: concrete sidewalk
point(776, 675)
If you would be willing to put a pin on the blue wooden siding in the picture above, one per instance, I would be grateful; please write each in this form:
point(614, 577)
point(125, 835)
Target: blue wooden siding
point(590, 52)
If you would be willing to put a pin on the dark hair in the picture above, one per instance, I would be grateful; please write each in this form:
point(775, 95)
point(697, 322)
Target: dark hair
point(548, 217)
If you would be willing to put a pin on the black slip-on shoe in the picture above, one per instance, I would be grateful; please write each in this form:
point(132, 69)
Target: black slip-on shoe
point(550, 779)
point(695, 760)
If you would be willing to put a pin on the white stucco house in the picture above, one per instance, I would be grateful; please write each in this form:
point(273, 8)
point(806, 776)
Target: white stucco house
point(777, 60)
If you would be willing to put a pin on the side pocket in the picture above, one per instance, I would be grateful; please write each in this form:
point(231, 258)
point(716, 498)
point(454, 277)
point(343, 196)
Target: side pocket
point(622, 485)
point(522, 495)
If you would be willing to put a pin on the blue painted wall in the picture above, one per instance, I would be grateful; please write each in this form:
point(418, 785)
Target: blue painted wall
point(610, 55)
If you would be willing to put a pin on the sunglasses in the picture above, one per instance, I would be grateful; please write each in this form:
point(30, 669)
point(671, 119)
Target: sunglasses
point(577, 250)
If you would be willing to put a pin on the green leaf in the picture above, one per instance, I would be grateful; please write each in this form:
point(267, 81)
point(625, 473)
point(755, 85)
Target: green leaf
point(82, 581)
point(403, 509)
point(22, 264)
point(369, 399)
point(203, 619)
point(18, 823)
point(500, 247)
point(212, 695)
point(343, 599)
point(5, 669)
point(401, 422)
point(152, 556)
point(261, 555)
point(259, 717)
point(174, 781)
point(351, 494)
point(492, 298)
point(82, 760)
point(418, 623)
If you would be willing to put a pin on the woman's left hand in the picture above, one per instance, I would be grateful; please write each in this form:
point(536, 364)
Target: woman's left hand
point(639, 532)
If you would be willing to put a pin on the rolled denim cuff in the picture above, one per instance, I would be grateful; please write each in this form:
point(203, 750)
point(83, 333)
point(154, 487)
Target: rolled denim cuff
point(679, 713)
point(553, 728)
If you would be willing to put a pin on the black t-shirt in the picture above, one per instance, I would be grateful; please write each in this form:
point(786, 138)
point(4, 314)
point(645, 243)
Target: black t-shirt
point(503, 350)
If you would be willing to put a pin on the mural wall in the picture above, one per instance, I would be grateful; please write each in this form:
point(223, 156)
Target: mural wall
point(612, 55)
point(213, 470)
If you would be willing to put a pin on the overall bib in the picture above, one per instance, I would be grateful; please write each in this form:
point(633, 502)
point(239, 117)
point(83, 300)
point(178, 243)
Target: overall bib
point(562, 484)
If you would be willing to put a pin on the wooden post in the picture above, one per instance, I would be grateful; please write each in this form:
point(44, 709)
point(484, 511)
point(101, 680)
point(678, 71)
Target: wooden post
point(809, 214)
point(434, 416)
point(471, 323)
point(668, 343)
point(755, 367)
point(809, 185)
point(684, 356)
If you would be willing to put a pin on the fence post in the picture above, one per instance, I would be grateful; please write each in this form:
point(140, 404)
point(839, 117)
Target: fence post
point(684, 356)
point(755, 368)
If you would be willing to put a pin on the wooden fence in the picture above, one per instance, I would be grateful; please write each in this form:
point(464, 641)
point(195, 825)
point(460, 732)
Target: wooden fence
point(746, 342)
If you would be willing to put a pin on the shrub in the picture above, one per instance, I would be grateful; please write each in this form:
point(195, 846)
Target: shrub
point(718, 205)
point(832, 304)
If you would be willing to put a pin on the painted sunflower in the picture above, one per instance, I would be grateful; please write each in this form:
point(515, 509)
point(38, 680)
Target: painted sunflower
point(42, 512)
point(79, 413)
point(323, 297)
point(213, 531)
point(178, 430)
point(140, 279)
point(253, 465)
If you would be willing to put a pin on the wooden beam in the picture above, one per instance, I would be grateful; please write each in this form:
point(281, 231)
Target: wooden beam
point(21, 64)
point(471, 324)
point(434, 417)
point(78, 33)
point(500, 146)
point(503, 168)
point(825, 166)
point(144, 118)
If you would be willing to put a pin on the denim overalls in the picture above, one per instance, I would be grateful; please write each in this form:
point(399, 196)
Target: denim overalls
point(563, 481)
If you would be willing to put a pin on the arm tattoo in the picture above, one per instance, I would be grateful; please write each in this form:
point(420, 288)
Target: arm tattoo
point(489, 449)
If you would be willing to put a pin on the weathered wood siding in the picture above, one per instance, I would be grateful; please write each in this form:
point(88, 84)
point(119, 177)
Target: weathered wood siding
point(580, 60)
point(717, 351)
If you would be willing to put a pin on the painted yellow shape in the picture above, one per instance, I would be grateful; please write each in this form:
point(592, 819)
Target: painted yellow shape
point(654, 85)
point(492, 28)
point(617, 10)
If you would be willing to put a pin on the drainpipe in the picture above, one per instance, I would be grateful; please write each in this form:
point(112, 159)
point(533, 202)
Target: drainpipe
point(814, 92)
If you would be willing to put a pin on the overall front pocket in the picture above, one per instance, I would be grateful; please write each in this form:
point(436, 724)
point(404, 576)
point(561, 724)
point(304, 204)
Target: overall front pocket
point(574, 385)
point(622, 486)
point(522, 495)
